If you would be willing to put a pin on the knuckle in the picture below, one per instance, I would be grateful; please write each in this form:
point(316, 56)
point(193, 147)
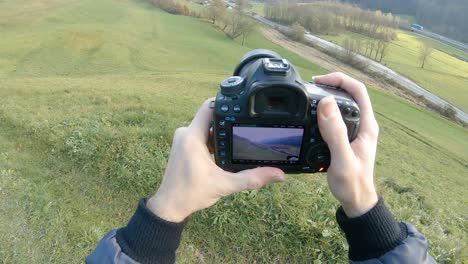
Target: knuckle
point(181, 135)
point(340, 75)
point(254, 184)
point(374, 131)
point(361, 86)
point(180, 132)
point(208, 101)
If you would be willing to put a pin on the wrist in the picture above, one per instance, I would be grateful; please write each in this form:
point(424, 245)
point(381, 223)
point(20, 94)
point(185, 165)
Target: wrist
point(360, 205)
point(165, 209)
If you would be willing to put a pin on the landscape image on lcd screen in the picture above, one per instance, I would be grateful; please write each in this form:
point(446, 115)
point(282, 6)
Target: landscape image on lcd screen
point(267, 143)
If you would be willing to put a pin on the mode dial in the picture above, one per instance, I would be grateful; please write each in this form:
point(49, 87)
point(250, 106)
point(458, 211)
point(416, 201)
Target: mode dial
point(232, 85)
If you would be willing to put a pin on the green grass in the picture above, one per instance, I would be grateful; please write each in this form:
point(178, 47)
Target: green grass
point(91, 94)
point(443, 74)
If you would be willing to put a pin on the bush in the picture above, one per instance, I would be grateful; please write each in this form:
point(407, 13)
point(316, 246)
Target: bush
point(449, 112)
point(297, 32)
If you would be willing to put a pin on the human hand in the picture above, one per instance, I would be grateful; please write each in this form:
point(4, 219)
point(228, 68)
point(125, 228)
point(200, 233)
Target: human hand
point(351, 172)
point(192, 181)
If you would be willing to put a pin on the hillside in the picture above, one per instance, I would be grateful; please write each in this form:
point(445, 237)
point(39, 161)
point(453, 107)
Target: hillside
point(91, 94)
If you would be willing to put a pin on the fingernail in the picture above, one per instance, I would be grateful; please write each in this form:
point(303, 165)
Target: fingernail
point(316, 77)
point(329, 108)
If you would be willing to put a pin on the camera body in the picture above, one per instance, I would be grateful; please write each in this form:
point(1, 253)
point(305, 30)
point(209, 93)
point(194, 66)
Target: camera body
point(266, 115)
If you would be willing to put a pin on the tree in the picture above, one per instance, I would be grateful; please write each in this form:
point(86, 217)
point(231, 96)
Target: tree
point(242, 6)
point(216, 10)
point(297, 32)
point(238, 24)
point(247, 27)
point(383, 45)
point(425, 52)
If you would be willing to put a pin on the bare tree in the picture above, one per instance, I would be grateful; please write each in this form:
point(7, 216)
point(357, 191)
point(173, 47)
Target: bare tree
point(237, 23)
point(383, 45)
point(242, 6)
point(247, 27)
point(216, 10)
point(425, 52)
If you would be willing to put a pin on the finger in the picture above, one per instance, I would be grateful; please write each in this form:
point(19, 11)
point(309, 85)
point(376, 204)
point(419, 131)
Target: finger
point(359, 92)
point(201, 123)
point(333, 129)
point(255, 179)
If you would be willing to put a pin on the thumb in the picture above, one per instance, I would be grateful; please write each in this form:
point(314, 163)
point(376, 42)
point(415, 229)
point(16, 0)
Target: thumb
point(333, 129)
point(255, 179)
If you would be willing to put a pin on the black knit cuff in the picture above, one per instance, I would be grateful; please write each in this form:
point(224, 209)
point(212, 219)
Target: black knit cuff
point(372, 234)
point(148, 238)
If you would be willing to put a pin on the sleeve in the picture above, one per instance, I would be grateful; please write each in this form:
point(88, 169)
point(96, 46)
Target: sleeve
point(376, 237)
point(146, 239)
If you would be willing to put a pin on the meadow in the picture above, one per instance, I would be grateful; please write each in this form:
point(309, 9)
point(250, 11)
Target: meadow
point(91, 92)
point(443, 74)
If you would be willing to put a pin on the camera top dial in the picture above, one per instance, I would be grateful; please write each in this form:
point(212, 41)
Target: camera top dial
point(232, 85)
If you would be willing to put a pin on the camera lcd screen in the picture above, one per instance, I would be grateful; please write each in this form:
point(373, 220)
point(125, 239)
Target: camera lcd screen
point(266, 144)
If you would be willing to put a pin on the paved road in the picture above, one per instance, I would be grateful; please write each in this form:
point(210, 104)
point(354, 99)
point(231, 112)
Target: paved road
point(379, 68)
point(443, 39)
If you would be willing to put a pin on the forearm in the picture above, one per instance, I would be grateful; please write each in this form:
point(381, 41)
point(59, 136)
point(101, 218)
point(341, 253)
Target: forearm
point(146, 239)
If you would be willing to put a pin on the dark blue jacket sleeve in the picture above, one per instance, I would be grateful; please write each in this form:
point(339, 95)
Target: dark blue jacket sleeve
point(146, 239)
point(374, 237)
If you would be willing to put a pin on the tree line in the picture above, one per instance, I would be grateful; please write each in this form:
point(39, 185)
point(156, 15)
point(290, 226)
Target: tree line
point(232, 19)
point(171, 6)
point(331, 17)
point(448, 18)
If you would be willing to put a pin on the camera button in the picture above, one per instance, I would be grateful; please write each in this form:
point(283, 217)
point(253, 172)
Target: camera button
point(355, 113)
point(222, 154)
point(347, 110)
point(222, 123)
point(237, 109)
point(222, 133)
point(222, 143)
point(224, 108)
point(223, 162)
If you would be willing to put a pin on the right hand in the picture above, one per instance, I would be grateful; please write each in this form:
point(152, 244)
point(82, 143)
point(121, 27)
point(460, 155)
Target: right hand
point(351, 172)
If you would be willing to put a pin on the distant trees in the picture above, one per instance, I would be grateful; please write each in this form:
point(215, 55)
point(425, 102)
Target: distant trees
point(216, 10)
point(172, 7)
point(445, 17)
point(330, 17)
point(424, 53)
point(377, 49)
point(236, 22)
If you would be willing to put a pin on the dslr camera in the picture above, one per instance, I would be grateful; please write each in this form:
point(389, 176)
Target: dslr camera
point(266, 115)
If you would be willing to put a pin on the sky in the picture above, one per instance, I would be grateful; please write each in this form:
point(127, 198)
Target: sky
point(259, 134)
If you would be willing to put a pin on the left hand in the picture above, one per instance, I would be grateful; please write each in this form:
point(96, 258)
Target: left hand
point(192, 181)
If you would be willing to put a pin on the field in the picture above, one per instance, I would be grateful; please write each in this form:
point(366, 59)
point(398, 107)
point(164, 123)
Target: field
point(91, 92)
point(443, 74)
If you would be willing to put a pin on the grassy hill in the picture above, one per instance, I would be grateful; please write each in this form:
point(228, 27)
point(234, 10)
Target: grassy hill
point(91, 92)
point(443, 74)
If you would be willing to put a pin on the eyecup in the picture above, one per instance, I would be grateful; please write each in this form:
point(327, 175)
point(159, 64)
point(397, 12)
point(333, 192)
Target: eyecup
point(253, 55)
